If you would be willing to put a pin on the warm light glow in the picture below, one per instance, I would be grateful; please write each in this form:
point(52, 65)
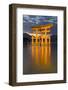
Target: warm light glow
point(41, 46)
point(41, 34)
point(41, 55)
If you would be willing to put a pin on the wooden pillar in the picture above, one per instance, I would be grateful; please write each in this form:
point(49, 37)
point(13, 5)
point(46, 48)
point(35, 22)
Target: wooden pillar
point(36, 37)
point(45, 40)
point(32, 39)
point(49, 39)
point(42, 39)
point(45, 37)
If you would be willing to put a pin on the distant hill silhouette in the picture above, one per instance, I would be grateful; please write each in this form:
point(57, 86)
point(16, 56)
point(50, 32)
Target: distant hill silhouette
point(26, 37)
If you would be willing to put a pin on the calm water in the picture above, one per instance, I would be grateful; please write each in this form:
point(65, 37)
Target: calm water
point(39, 59)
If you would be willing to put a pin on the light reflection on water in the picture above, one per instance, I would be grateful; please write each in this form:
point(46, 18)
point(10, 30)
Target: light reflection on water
point(39, 59)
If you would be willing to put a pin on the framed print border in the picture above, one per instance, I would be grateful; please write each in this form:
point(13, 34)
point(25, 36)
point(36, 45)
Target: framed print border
point(13, 44)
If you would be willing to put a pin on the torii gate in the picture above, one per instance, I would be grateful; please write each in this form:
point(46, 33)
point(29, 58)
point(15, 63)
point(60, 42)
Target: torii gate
point(42, 33)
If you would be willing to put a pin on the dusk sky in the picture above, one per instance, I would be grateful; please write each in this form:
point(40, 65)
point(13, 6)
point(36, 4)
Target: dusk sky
point(34, 20)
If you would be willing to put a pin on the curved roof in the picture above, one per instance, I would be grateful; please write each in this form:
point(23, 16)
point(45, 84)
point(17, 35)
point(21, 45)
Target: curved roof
point(42, 27)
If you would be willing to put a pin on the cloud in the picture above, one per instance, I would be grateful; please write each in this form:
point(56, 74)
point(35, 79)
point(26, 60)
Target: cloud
point(39, 19)
point(26, 17)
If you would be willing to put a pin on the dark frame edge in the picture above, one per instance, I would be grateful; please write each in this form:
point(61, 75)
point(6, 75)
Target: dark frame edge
point(38, 6)
point(39, 83)
point(65, 8)
point(12, 46)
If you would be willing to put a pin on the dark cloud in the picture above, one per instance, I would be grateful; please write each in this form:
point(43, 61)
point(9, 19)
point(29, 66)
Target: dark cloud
point(33, 20)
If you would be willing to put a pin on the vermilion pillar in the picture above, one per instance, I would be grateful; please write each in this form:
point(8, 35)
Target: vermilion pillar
point(36, 37)
point(32, 39)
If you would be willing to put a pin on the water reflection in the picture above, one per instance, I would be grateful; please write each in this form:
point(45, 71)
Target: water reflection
point(40, 59)
point(41, 56)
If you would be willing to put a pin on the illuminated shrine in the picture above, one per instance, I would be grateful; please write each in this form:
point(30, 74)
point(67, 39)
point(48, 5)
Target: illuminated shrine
point(41, 34)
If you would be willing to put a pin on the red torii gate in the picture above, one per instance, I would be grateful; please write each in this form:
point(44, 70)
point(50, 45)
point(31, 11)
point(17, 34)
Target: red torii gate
point(41, 32)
